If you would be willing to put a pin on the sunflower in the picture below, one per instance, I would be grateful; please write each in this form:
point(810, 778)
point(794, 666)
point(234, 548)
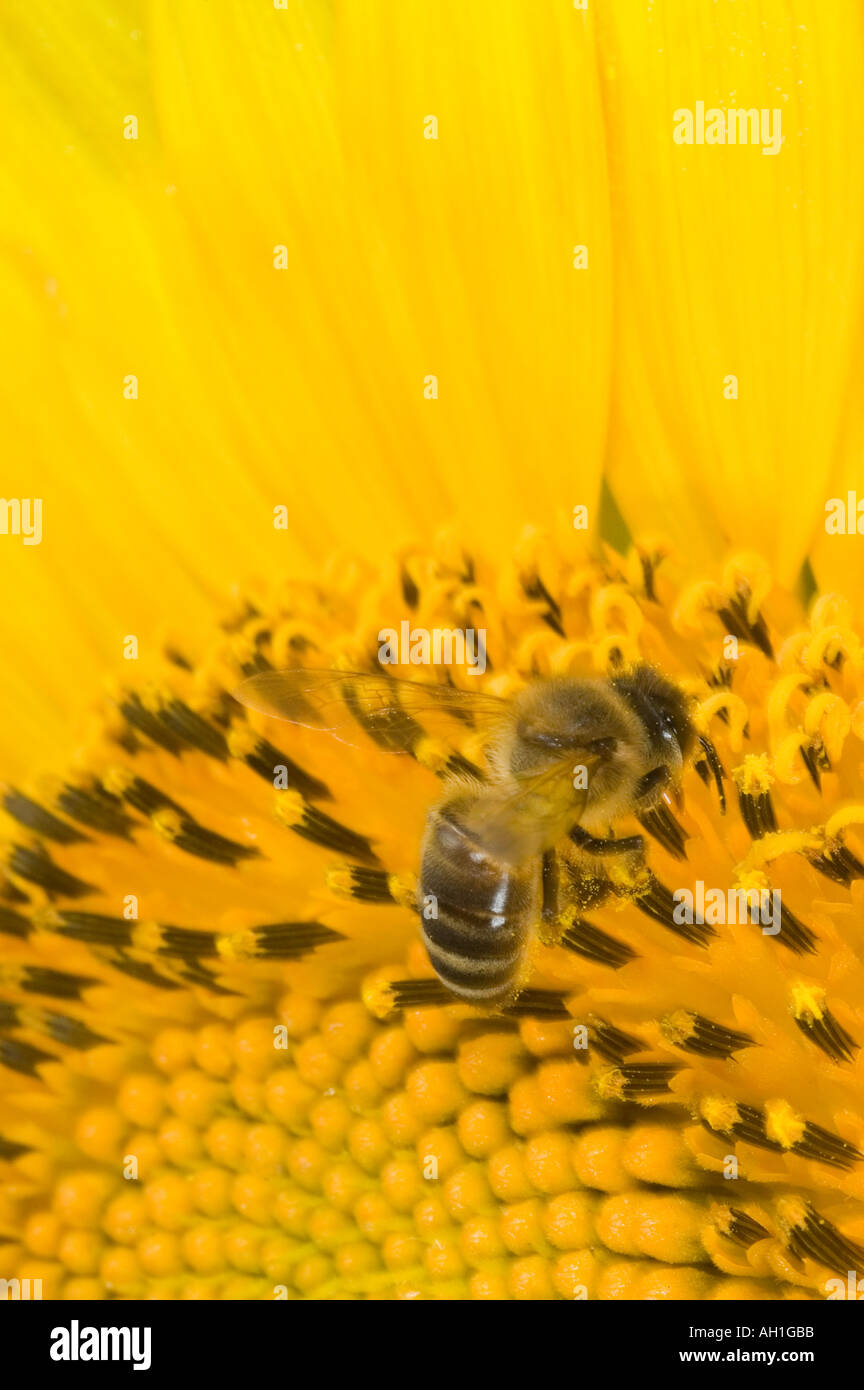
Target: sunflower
point(324, 316)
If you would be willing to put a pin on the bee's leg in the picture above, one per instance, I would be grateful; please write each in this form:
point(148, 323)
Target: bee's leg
point(655, 817)
point(583, 880)
point(593, 881)
point(597, 845)
point(648, 786)
point(569, 883)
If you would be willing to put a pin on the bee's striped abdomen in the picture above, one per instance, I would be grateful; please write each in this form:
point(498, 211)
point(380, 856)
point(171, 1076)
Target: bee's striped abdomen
point(477, 940)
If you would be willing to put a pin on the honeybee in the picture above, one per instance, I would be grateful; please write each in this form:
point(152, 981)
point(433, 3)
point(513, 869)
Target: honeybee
point(564, 758)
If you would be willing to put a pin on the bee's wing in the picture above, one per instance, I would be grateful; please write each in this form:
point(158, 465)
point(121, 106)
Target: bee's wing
point(395, 713)
point(516, 825)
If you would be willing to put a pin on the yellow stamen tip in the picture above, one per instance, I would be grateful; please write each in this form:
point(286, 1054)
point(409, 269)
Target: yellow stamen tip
point(242, 741)
point(807, 1001)
point(431, 753)
point(340, 882)
point(376, 993)
point(841, 820)
point(147, 936)
point(719, 1112)
point(403, 889)
point(678, 1026)
point(754, 776)
point(117, 780)
point(166, 822)
point(783, 1124)
point(290, 808)
point(237, 946)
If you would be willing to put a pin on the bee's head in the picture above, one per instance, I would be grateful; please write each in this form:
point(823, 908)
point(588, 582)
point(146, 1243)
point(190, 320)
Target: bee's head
point(560, 719)
point(662, 709)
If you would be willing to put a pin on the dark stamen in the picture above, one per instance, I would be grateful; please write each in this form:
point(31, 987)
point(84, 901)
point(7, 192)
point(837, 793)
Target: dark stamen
point(370, 885)
point(794, 934)
point(13, 924)
point(611, 1042)
point(95, 929)
point(190, 728)
point(757, 812)
point(148, 724)
point(750, 1127)
point(420, 994)
point(330, 834)
point(734, 615)
point(838, 864)
point(826, 1147)
point(661, 823)
point(712, 767)
point(206, 844)
point(22, 1057)
point(743, 1229)
point(265, 759)
point(187, 941)
point(642, 1079)
point(538, 1003)
point(289, 940)
point(534, 588)
point(820, 1239)
point(37, 866)
point(143, 971)
point(586, 940)
point(709, 1039)
point(10, 1150)
point(57, 984)
point(658, 902)
point(34, 817)
point(71, 1031)
point(829, 1035)
point(196, 974)
point(96, 809)
point(410, 592)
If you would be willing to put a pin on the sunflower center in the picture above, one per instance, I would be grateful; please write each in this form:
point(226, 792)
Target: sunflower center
point(231, 1071)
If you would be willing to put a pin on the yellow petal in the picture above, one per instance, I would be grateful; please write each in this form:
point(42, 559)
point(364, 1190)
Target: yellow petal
point(732, 262)
point(838, 559)
point(406, 258)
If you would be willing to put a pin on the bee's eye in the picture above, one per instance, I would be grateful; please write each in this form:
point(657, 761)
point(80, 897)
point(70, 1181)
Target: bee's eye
point(603, 747)
point(547, 738)
point(544, 738)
